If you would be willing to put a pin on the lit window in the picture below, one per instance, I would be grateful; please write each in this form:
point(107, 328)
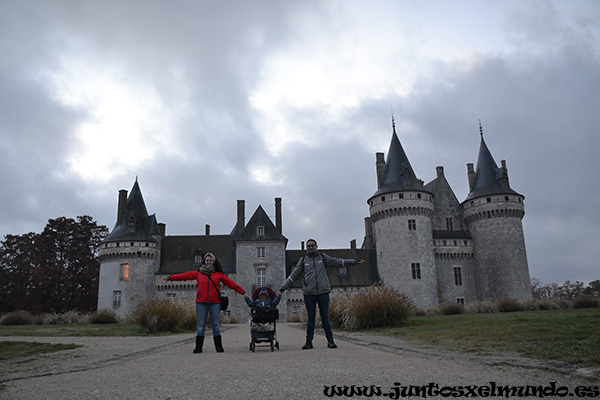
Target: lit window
point(261, 277)
point(260, 252)
point(116, 299)
point(124, 272)
point(416, 270)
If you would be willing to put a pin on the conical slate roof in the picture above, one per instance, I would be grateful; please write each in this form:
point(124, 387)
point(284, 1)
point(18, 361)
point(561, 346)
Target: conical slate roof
point(489, 178)
point(398, 175)
point(136, 224)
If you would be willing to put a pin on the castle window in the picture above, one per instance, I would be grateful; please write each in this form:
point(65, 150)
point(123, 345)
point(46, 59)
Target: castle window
point(449, 224)
point(124, 275)
point(412, 225)
point(260, 252)
point(116, 299)
point(418, 195)
point(416, 270)
point(460, 300)
point(489, 199)
point(506, 198)
point(260, 230)
point(261, 277)
point(401, 195)
point(382, 198)
point(171, 295)
point(457, 276)
point(131, 224)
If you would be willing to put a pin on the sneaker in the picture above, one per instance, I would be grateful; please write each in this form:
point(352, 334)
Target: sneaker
point(331, 345)
point(307, 346)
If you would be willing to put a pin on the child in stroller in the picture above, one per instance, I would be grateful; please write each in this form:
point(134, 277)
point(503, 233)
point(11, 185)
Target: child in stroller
point(263, 325)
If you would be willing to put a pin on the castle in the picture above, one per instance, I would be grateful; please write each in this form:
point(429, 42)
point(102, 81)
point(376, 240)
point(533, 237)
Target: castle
point(418, 238)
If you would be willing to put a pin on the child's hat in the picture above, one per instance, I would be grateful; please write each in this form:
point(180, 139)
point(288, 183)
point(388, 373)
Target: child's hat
point(263, 291)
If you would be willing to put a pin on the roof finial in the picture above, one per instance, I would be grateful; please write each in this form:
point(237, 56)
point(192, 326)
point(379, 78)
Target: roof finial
point(393, 120)
point(480, 129)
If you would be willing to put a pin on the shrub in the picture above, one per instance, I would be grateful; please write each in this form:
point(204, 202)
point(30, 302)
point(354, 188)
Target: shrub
point(452, 308)
point(104, 317)
point(379, 306)
point(228, 319)
point(162, 315)
point(509, 305)
point(586, 302)
point(68, 318)
point(481, 307)
point(419, 312)
point(17, 318)
point(339, 310)
point(539, 305)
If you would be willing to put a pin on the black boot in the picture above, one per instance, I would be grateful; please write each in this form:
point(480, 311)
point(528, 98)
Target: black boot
point(218, 344)
point(199, 344)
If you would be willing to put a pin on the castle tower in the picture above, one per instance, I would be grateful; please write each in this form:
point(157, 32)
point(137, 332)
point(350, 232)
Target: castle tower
point(129, 256)
point(401, 216)
point(493, 213)
point(260, 252)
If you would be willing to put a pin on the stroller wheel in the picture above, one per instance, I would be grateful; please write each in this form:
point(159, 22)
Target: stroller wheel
point(277, 345)
point(252, 347)
point(272, 347)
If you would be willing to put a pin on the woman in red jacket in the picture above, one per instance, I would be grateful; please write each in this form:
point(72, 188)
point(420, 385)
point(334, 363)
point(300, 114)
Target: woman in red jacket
point(208, 297)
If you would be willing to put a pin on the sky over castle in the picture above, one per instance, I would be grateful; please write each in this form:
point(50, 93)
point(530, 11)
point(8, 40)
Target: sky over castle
point(209, 103)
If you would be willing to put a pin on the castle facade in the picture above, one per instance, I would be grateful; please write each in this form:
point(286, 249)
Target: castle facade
point(418, 238)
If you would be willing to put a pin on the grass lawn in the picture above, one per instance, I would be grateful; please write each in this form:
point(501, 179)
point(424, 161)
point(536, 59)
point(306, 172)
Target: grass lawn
point(76, 330)
point(571, 336)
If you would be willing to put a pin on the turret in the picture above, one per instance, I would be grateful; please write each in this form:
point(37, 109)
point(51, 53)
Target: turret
point(129, 256)
point(493, 213)
point(401, 210)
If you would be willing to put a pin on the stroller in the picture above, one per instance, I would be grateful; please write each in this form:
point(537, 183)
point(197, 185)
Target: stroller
point(263, 325)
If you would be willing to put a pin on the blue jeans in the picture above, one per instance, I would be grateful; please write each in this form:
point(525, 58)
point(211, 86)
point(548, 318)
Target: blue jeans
point(311, 301)
point(203, 309)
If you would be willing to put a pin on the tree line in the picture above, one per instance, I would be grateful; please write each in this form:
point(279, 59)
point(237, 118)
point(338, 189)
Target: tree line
point(567, 291)
point(54, 271)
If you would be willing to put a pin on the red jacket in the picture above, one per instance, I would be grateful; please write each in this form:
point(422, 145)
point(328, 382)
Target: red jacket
point(206, 290)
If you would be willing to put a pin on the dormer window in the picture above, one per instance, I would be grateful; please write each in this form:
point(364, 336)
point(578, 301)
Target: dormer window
point(131, 224)
point(198, 257)
point(260, 230)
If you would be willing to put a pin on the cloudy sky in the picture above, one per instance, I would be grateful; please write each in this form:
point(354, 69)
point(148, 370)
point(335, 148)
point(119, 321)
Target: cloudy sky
point(208, 102)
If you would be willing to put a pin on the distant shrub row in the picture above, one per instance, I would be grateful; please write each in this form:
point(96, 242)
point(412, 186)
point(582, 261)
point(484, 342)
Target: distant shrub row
point(68, 318)
point(511, 305)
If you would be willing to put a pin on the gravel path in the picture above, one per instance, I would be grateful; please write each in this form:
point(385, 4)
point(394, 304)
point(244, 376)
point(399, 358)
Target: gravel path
point(165, 368)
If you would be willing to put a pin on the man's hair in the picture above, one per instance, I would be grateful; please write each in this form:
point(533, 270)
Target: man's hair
point(311, 240)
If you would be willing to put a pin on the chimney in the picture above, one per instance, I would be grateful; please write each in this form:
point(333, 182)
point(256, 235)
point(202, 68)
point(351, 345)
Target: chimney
point(368, 226)
point(380, 165)
point(122, 205)
point(302, 245)
point(353, 247)
point(162, 228)
point(440, 171)
point(505, 175)
point(241, 216)
point(278, 213)
point(207, 229)
point(471, 176)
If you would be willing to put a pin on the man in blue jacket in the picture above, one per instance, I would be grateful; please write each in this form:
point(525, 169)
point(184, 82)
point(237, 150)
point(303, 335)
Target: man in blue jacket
point(315, 286)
